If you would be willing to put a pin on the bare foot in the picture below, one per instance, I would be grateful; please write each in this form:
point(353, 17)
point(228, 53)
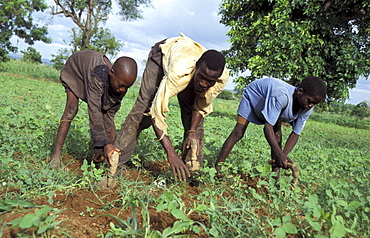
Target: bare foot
point(55, 163)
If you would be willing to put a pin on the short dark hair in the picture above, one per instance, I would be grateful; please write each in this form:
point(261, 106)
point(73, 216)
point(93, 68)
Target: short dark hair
point(313, 86)
point(213, 59)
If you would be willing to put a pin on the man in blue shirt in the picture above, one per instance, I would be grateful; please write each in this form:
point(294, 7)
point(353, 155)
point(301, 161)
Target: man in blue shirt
point(269, 102)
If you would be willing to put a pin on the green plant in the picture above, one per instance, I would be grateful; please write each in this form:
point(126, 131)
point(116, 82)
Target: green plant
point(131, 227)
point(38, 71)
point(226, 95)
point(43, 220)
point(90, 174)
point(172, 204)
point(332, 197)
point(89, 212)
point(31, 55)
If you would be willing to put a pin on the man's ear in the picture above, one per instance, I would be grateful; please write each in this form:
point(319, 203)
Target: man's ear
point(111, 71)
point(300, 91)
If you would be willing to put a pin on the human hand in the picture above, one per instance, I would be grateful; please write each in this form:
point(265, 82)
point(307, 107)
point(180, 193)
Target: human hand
point(190, 140)
point(108, 150)
point(98, 157)
point(282, 162)
point(179, 169)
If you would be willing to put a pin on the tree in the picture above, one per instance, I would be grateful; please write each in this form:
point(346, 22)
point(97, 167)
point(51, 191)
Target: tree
point(290, 39)
point(103, 41)
point(60, 58)
point(361, 110)
point(31, 55)
point(88, 15)
point(226, 95)
point(16, 19)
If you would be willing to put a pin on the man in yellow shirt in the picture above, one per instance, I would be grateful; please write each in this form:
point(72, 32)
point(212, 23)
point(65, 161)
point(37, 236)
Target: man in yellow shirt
point(176, 66)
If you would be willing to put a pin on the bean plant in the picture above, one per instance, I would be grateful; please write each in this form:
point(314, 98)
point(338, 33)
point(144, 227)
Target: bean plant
point(332, 198)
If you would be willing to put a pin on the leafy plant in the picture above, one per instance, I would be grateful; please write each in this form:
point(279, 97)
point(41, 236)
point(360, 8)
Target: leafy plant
point(331, 199)
point(43, 220)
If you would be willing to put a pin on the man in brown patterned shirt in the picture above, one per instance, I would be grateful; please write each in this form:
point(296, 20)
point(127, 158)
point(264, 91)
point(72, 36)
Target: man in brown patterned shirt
point(90, 76)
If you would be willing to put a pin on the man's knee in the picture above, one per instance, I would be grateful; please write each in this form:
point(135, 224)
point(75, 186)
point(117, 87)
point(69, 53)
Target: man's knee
point(71, 106)
point(70, 111)
point(237, 135)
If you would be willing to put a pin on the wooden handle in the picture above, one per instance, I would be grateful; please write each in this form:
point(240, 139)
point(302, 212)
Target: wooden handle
point(114, 162)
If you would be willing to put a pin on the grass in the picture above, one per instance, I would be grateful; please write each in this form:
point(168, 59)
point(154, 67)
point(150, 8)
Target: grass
point(38, 71)
point(332, 198)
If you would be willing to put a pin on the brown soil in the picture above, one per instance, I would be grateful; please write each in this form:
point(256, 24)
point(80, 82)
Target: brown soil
point(78, 222)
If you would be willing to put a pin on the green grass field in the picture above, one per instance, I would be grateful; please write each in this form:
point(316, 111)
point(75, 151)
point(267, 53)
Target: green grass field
point(332, 199)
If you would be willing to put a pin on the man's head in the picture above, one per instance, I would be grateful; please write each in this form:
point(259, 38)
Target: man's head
point(123, 74)
point(209, 68)
point(311, 91)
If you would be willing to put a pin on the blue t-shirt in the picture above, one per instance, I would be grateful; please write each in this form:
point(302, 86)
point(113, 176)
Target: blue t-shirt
point(271, 100)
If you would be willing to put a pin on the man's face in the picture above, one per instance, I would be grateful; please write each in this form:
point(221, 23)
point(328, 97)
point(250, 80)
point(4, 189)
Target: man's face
point(307, 102)
point(205, 78)
point(120, 82)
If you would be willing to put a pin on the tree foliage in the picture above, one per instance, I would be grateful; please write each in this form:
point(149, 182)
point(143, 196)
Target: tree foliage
point(32, 55)
point(60, 58)
point(361, 110)
point(89, 15)
point(16, 20)
point(290, 39)
point(102, 41)
point(226, 95)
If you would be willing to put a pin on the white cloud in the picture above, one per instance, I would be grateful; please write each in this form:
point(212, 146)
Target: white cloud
point(361, 92)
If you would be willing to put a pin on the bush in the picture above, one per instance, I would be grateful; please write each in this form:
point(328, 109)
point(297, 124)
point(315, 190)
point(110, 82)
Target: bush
point(226, 94)
point(31, 55)
point(361, 110)
point(348, 121)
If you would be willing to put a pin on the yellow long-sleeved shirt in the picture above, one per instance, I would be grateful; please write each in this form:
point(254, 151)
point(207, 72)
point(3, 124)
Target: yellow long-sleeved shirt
point(180, 55)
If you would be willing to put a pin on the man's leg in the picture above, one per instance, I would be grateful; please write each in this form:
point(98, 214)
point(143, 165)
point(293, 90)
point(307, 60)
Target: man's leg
point(136, 121)
point(278, 135)
point(70, 112)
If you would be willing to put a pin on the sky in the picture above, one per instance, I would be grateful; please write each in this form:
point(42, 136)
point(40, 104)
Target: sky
point(198, 20)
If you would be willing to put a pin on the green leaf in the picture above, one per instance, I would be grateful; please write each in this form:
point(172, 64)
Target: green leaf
point(342, 203)
point(354, 205)
point(214, 232)
point(180, 226)
point(29, 220)
point(16, 222)
point(179, 214)
point(286, 219)
point(329, 193)
point(42, 229)
point(337, 230)
point(196, 229)
point(201, 207)
point(316, 226)
point(280, 233)
point(289, 228)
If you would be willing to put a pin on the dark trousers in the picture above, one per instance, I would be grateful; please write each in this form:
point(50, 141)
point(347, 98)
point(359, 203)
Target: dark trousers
point(136, 121)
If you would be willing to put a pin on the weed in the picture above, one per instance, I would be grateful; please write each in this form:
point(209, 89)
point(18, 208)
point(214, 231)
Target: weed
point(43, 220)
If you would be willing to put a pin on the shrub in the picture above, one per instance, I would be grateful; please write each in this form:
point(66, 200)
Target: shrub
point(226, 94)
point(361, 110)
point(31, 55)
